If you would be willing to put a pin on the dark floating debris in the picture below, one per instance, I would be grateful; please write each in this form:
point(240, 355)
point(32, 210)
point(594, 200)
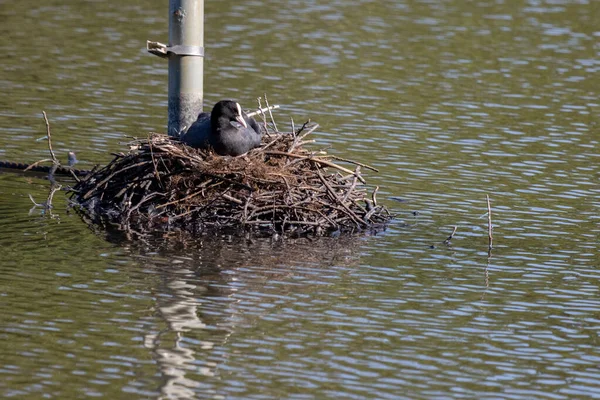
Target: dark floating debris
point(162, 185)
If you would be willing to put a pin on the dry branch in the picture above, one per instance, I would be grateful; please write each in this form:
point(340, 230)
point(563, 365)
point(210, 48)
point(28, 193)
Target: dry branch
point(449, 238)
point(54, 159)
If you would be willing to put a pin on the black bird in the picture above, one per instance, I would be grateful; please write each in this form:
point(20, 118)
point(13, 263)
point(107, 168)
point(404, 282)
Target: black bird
point(227, 130)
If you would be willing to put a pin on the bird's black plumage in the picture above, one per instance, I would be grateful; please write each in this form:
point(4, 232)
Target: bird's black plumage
point(227, 130)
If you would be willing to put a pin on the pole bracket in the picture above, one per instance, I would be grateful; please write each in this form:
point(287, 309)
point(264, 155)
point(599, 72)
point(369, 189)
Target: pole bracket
point(164, 51)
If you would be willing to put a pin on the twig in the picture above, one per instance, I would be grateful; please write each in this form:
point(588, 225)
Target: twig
point(156, 174)
point(138, 205)
point(355, 163)
point(262, 110)
point(368, 215)
point(74, 175)
point(35, 164)
point(108, 178)
point(338, 200)
point(230, 198)
point(374, 196)
point(270, 113)
point(295, 136)
point(302, 127)
point(54, 160)
point(271, 143)
point(354, 181)
point(183, 199)
point(447, 241)
point(264, 222)
point(34, 202)
point(298, 138)
point(490, 237)
point(310, 130)
point(316, 160)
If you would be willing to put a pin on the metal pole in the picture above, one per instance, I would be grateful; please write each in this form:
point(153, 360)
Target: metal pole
point(186, 63)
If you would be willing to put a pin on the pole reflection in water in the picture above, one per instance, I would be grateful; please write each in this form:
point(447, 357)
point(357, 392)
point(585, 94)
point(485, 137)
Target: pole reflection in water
point(201, 299)
point(181, 313)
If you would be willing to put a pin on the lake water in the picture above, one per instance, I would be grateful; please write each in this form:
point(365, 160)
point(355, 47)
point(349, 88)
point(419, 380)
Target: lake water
point(451, 100)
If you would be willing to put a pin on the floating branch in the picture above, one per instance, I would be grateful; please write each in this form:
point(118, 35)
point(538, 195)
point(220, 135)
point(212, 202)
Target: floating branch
point(449, 238)
point(56, 167)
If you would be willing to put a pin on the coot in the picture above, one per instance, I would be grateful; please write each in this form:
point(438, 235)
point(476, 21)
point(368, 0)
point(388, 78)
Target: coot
point(227, 130)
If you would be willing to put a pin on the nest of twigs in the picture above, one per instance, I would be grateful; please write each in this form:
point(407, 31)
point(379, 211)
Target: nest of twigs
point(162, 185)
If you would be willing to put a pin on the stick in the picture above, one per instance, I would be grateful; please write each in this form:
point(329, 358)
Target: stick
point(298, 138)
point(316, 160)
point(54, 160)
point(74, 175)
point(271, 143)
point(355, 163)
point(145, 199)
point(354, 181)
point(295, 136)
point(181, 200)
point(270, 113)
point(156, 174)
point(491, 238)
point(262, 110)
point(112, 175)
point(374, 197)
point(358, 221)
point(310, 130)
point(368, 215)
point(230, 198)
point(264, 222)
point(447, 241)
point(35, 164)
point(304, 125)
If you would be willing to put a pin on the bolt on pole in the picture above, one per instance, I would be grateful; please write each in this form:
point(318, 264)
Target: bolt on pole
point(185, 53)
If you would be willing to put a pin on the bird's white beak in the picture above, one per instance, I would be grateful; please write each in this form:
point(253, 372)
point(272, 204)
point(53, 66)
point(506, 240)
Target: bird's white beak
point(240, 116)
